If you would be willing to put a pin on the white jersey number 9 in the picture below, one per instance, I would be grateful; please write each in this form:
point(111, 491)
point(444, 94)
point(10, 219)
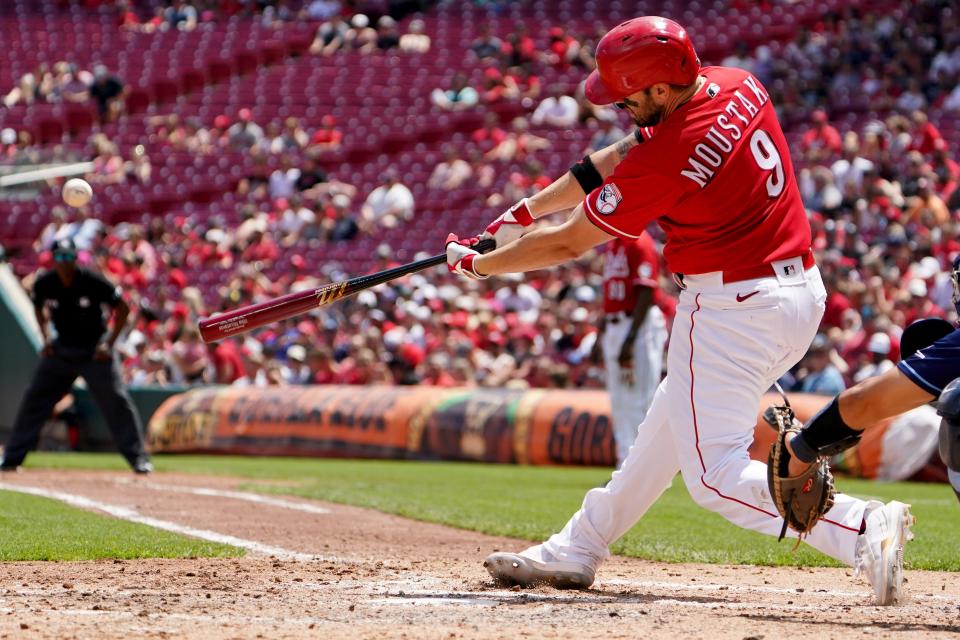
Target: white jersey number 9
point(768, 158)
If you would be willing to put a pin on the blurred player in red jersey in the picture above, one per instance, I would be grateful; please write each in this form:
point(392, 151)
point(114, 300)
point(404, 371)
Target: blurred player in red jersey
point(716, 176)
point(634, 334)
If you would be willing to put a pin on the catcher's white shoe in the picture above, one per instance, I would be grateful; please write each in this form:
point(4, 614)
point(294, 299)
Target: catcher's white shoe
point(880, 548)
point(510, 569)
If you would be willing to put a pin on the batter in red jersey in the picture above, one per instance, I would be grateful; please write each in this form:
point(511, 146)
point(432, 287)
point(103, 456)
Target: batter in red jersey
point(717, 177)
point(634, 334)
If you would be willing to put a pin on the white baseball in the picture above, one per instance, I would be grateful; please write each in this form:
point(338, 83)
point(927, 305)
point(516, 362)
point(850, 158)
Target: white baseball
point(77, 192)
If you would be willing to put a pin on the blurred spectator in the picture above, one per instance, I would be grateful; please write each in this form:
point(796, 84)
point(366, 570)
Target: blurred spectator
point(24, 93)
point(739, 57)
point(331, 36)
point(245, 133)
point(451, 173)
point(387, 205)
point(523, 84)
point(523, 184)
point(519, 48)
point(490, 134)
point(495, 88)
point(181, 15)
point(327, 137)
point(562, 49)
point(340, 225)
point(387, 35)
point(73, 85)
point(360, 36)
point(518, 143)
point(415, 40)
point(323, 9)
point(946, 170)
point(459, 96)
point(821, 375)
point(291, 139)
point(926, 208)
point(608, 133)
point(483, 173)
point(260, 248)
point(556, 110)
point(138, 169)
point(294, 218)
point(879, 350)
point(912, 98)
point(283, 180)
point(107, 91)
point(296, 370)
point(850, 169)
point(925, 135)
point(487, 46)
point(190, 357)
point(323, 368)
point(821, 140)
point(227, 362)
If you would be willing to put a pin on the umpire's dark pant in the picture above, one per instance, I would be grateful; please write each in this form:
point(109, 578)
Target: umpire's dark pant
point(53, 379)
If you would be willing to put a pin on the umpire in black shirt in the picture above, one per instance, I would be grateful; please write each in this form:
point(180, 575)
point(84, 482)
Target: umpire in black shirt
point(74, 299)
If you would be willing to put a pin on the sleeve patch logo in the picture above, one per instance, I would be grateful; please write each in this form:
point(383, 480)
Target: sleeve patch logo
point(608, 199)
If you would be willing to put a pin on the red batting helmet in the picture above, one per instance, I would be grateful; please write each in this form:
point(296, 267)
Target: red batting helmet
point(638, 54)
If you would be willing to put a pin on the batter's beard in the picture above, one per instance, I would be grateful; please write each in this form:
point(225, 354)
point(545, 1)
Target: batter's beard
point(650, 120)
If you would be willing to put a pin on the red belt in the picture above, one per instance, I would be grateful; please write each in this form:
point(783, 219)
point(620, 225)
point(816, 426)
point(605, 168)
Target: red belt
point(762, 270)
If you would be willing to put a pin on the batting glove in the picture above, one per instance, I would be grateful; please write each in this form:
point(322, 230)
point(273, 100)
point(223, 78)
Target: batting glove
point(460, 256)
point(512, 223)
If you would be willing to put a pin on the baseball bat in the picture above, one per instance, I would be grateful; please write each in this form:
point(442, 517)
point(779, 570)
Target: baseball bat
point(248, 318)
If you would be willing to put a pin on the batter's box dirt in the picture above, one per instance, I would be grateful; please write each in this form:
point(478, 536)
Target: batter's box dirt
point(394, 578)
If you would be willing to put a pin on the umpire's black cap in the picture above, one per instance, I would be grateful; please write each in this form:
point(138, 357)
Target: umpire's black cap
point(65, 248)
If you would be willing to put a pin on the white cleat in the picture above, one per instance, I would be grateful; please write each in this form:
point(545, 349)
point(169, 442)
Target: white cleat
point(509, 569)
point(880, 549)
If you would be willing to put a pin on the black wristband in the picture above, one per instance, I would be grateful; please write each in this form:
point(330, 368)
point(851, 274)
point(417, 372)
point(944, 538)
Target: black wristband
point(825, 435)
point(586, 175)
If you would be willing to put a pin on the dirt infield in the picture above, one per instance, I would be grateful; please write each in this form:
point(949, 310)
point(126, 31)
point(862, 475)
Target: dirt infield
point(340, 571)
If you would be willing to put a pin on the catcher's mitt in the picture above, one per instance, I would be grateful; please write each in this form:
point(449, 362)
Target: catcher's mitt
point(801, 500)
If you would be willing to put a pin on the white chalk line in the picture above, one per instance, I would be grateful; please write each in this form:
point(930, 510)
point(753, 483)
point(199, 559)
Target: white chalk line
point(232, 495)
point(131, 515)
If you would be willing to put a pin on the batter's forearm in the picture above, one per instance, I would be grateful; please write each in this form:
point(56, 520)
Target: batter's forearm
point(565, 192)
point(538, 249)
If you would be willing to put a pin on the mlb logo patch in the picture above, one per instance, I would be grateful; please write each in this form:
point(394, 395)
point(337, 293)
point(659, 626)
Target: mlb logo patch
point(713, 89)
point(608, 199)
point(789, 270)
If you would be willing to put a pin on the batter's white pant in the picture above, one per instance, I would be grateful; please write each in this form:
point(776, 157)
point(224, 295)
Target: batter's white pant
point(629, 403)
point(723, 356)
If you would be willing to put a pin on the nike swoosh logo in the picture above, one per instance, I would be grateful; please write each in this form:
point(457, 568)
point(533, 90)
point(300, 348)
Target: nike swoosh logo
point(741, 298)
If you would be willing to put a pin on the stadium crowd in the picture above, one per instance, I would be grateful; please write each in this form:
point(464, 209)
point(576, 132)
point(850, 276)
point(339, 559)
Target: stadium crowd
point(880, 189)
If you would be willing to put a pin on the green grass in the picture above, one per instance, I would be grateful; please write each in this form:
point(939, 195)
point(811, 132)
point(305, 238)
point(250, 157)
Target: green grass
point(34, 528)
point(533, 502)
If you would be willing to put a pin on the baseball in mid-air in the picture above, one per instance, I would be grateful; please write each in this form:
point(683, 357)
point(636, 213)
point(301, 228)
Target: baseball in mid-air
point(77, 192)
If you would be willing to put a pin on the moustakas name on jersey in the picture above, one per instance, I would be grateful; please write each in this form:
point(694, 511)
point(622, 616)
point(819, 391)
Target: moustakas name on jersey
point(716, 175)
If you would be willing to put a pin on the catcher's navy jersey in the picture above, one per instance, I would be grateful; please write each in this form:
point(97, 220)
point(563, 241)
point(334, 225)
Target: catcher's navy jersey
point(931, 368)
